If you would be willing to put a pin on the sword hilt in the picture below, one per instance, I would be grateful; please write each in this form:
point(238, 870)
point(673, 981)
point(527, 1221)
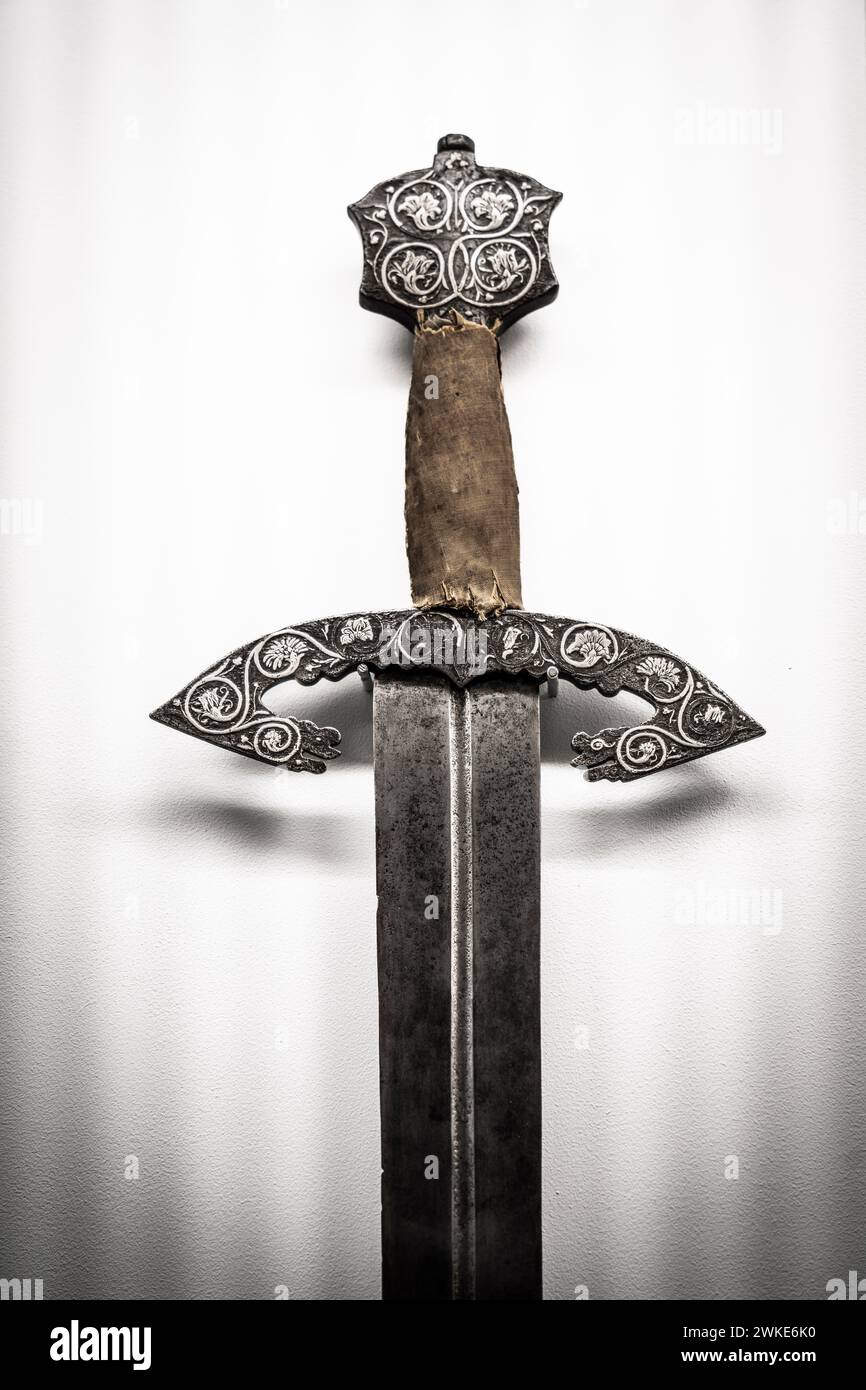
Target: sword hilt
point(458, 253)
point(444, 276)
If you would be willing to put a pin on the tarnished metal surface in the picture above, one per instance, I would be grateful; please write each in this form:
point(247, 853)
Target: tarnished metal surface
point(464, 900)
point(413, 869)
point(456, 237)
point(692, 715)
point(457, 843)
point(457, 782)
point(506, 816)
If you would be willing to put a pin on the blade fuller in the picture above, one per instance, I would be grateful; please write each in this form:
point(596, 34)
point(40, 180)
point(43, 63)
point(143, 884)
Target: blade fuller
point(457, 834)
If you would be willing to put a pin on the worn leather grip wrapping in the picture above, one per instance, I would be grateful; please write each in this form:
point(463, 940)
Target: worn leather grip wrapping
point(462, 522)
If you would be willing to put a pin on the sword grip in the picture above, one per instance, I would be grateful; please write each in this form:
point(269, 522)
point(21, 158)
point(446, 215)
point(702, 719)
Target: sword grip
point(462, 518)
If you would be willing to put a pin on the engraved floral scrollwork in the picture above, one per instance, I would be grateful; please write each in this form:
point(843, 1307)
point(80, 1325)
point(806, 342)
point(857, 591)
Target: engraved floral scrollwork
point(518, 643)
point(692, 717)
point(501, 266)
point(356, 630)
point(412, 274)
point(488, 205)
point(660, 672)
point(283, 654)
point(426, 203)
point(708, 719)
point(277, 740)
point(214, 703)
point(583, 646)
point(644, 749)
point(456, 237)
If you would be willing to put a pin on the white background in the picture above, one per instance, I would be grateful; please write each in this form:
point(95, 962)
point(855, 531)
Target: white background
point(213, 431)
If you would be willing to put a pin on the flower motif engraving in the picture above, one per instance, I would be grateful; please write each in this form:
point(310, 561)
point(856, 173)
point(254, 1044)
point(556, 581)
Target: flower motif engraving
point(415, 271)
point(510, 640)
point(356, 630)
point(424, 209)
point(492, 207)
point(590, 646)
point(456, 236)
point(647, 751)
point(659, 669)
point(214, 702)
point(502, 267)
point(228, 704)
point(283, 654)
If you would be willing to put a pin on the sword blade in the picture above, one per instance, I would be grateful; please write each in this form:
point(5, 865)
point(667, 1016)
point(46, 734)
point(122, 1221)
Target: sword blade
point(458, 880)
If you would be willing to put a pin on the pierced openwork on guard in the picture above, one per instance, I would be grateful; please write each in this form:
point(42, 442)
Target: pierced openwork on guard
point(457, 252)
point(692, 717)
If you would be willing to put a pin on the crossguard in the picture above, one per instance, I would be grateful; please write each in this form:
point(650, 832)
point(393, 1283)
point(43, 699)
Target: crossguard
point(456, 237)
point(692, 716)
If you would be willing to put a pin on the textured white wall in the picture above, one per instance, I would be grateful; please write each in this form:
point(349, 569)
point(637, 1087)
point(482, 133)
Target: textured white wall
point(213, 431)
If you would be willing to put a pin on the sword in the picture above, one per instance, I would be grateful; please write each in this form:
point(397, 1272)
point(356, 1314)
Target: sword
point(457, 252)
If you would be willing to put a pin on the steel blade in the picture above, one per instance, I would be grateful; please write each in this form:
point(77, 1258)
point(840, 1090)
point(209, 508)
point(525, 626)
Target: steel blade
point(458, 880)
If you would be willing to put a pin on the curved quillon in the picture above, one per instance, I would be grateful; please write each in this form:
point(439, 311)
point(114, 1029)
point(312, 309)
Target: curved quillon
point(692, 716)
point(456, 237)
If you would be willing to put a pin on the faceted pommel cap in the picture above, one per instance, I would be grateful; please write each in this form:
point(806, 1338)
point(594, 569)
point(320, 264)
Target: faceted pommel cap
point(458, 237)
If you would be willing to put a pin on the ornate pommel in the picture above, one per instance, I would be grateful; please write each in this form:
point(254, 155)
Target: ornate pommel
point(456, 237)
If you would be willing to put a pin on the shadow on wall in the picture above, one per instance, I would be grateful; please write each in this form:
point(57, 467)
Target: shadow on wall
point(259, 826)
